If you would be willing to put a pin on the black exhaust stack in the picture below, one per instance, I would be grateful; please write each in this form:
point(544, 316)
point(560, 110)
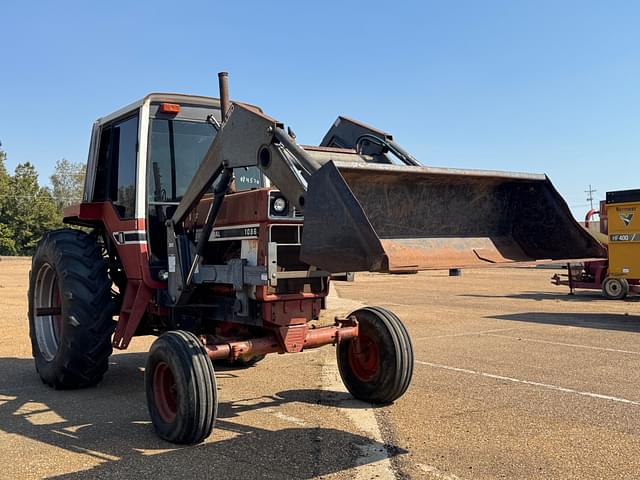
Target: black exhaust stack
point(225, 104)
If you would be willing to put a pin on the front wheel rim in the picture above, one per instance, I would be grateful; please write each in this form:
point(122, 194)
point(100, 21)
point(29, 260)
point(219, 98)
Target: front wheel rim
point(364, 357)
point(48, 328)
point(165, 392)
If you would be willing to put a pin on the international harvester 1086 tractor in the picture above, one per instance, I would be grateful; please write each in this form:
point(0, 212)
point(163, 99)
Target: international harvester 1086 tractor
point(207, 225)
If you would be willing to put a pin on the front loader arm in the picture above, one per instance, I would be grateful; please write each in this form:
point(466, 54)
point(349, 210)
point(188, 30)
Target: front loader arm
point(246, 138)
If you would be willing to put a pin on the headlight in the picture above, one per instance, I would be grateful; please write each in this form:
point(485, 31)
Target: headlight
point(279, 205)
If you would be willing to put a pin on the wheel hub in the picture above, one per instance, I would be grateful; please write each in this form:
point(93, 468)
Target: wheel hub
point(364, 357)
point(48, 328)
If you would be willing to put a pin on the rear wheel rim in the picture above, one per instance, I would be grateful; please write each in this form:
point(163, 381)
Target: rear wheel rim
point(364, 357)
point(48, 328)
point(164, 392)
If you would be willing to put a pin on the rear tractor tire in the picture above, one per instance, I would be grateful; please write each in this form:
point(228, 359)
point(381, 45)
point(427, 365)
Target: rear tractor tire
point(377, 366)
point(615, 288)
point(70, 309)
point(181, 388)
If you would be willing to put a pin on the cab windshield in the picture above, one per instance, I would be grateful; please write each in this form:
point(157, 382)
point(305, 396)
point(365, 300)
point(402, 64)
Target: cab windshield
point(176, 148)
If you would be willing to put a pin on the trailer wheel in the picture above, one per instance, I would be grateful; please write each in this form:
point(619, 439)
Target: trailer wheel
point(70, 309)
point(181, 388)
point(615, 288)
point(377, 366)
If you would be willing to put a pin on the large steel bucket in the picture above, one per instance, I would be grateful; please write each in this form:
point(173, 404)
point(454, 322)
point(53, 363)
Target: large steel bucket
point(372, 217)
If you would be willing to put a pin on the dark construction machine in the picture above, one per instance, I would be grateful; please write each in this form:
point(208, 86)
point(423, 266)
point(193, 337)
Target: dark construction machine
point(211, 228)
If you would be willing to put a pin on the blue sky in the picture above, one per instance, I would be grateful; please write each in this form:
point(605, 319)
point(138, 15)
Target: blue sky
point(536, 86)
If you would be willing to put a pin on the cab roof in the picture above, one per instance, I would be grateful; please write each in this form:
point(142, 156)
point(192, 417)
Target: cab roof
point(179, 98)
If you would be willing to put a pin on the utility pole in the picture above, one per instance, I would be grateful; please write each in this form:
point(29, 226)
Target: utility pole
point(590, 192)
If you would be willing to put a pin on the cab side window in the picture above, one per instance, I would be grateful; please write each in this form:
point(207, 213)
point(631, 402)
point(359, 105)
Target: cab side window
point(116, 168)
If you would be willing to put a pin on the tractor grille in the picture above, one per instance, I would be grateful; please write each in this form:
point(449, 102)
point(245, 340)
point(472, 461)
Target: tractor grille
point(290, 235)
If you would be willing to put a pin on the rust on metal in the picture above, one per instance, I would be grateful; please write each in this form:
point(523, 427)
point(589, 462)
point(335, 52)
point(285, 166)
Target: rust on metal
point(390, 218)
point(314, 148)
point(291, 312)
point(438, 253)
point(344, 329)
point(293, 337)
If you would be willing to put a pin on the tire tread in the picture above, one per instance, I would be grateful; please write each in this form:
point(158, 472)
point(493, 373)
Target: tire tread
point(397, 334)
point(85, 291)
point(192, 359)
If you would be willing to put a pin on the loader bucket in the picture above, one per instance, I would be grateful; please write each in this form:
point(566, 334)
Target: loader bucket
point(376, 217)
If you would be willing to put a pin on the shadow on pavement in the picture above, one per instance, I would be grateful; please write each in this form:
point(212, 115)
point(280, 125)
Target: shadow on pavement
point(604, 321)
point(579, 296)
point(328, 398)
point(110, 423)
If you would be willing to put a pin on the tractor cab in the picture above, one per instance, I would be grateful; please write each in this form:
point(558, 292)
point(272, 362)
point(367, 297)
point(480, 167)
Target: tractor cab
point(143, 157)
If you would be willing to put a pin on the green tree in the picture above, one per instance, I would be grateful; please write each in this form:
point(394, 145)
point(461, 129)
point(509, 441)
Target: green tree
point(28, 210)
point(67, 183)
point(7, 242)
point(4, 176)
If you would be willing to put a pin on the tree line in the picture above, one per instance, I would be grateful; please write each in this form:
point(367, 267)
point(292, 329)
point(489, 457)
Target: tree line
point(28, 209)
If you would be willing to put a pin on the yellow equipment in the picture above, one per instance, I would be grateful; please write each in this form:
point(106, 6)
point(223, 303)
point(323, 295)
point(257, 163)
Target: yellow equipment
point(619, 274)
point(623, 218)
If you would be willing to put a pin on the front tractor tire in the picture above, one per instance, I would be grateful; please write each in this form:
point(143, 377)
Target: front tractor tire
point(377, 366)
point(181, 388)
point(70, 310)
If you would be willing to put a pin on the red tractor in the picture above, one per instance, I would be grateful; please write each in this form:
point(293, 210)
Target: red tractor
point(207, 225)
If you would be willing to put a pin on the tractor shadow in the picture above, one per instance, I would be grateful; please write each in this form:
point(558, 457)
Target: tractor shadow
point(603, 321)
point(110, 424)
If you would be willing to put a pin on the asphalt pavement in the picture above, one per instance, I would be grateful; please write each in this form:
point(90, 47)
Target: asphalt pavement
point(513, 379)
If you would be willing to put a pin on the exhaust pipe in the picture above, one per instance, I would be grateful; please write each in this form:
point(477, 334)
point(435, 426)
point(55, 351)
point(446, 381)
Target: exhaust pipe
point(225, 104)
point(587, 217)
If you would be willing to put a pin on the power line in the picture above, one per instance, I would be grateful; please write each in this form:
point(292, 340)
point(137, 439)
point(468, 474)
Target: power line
point(591, 191)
